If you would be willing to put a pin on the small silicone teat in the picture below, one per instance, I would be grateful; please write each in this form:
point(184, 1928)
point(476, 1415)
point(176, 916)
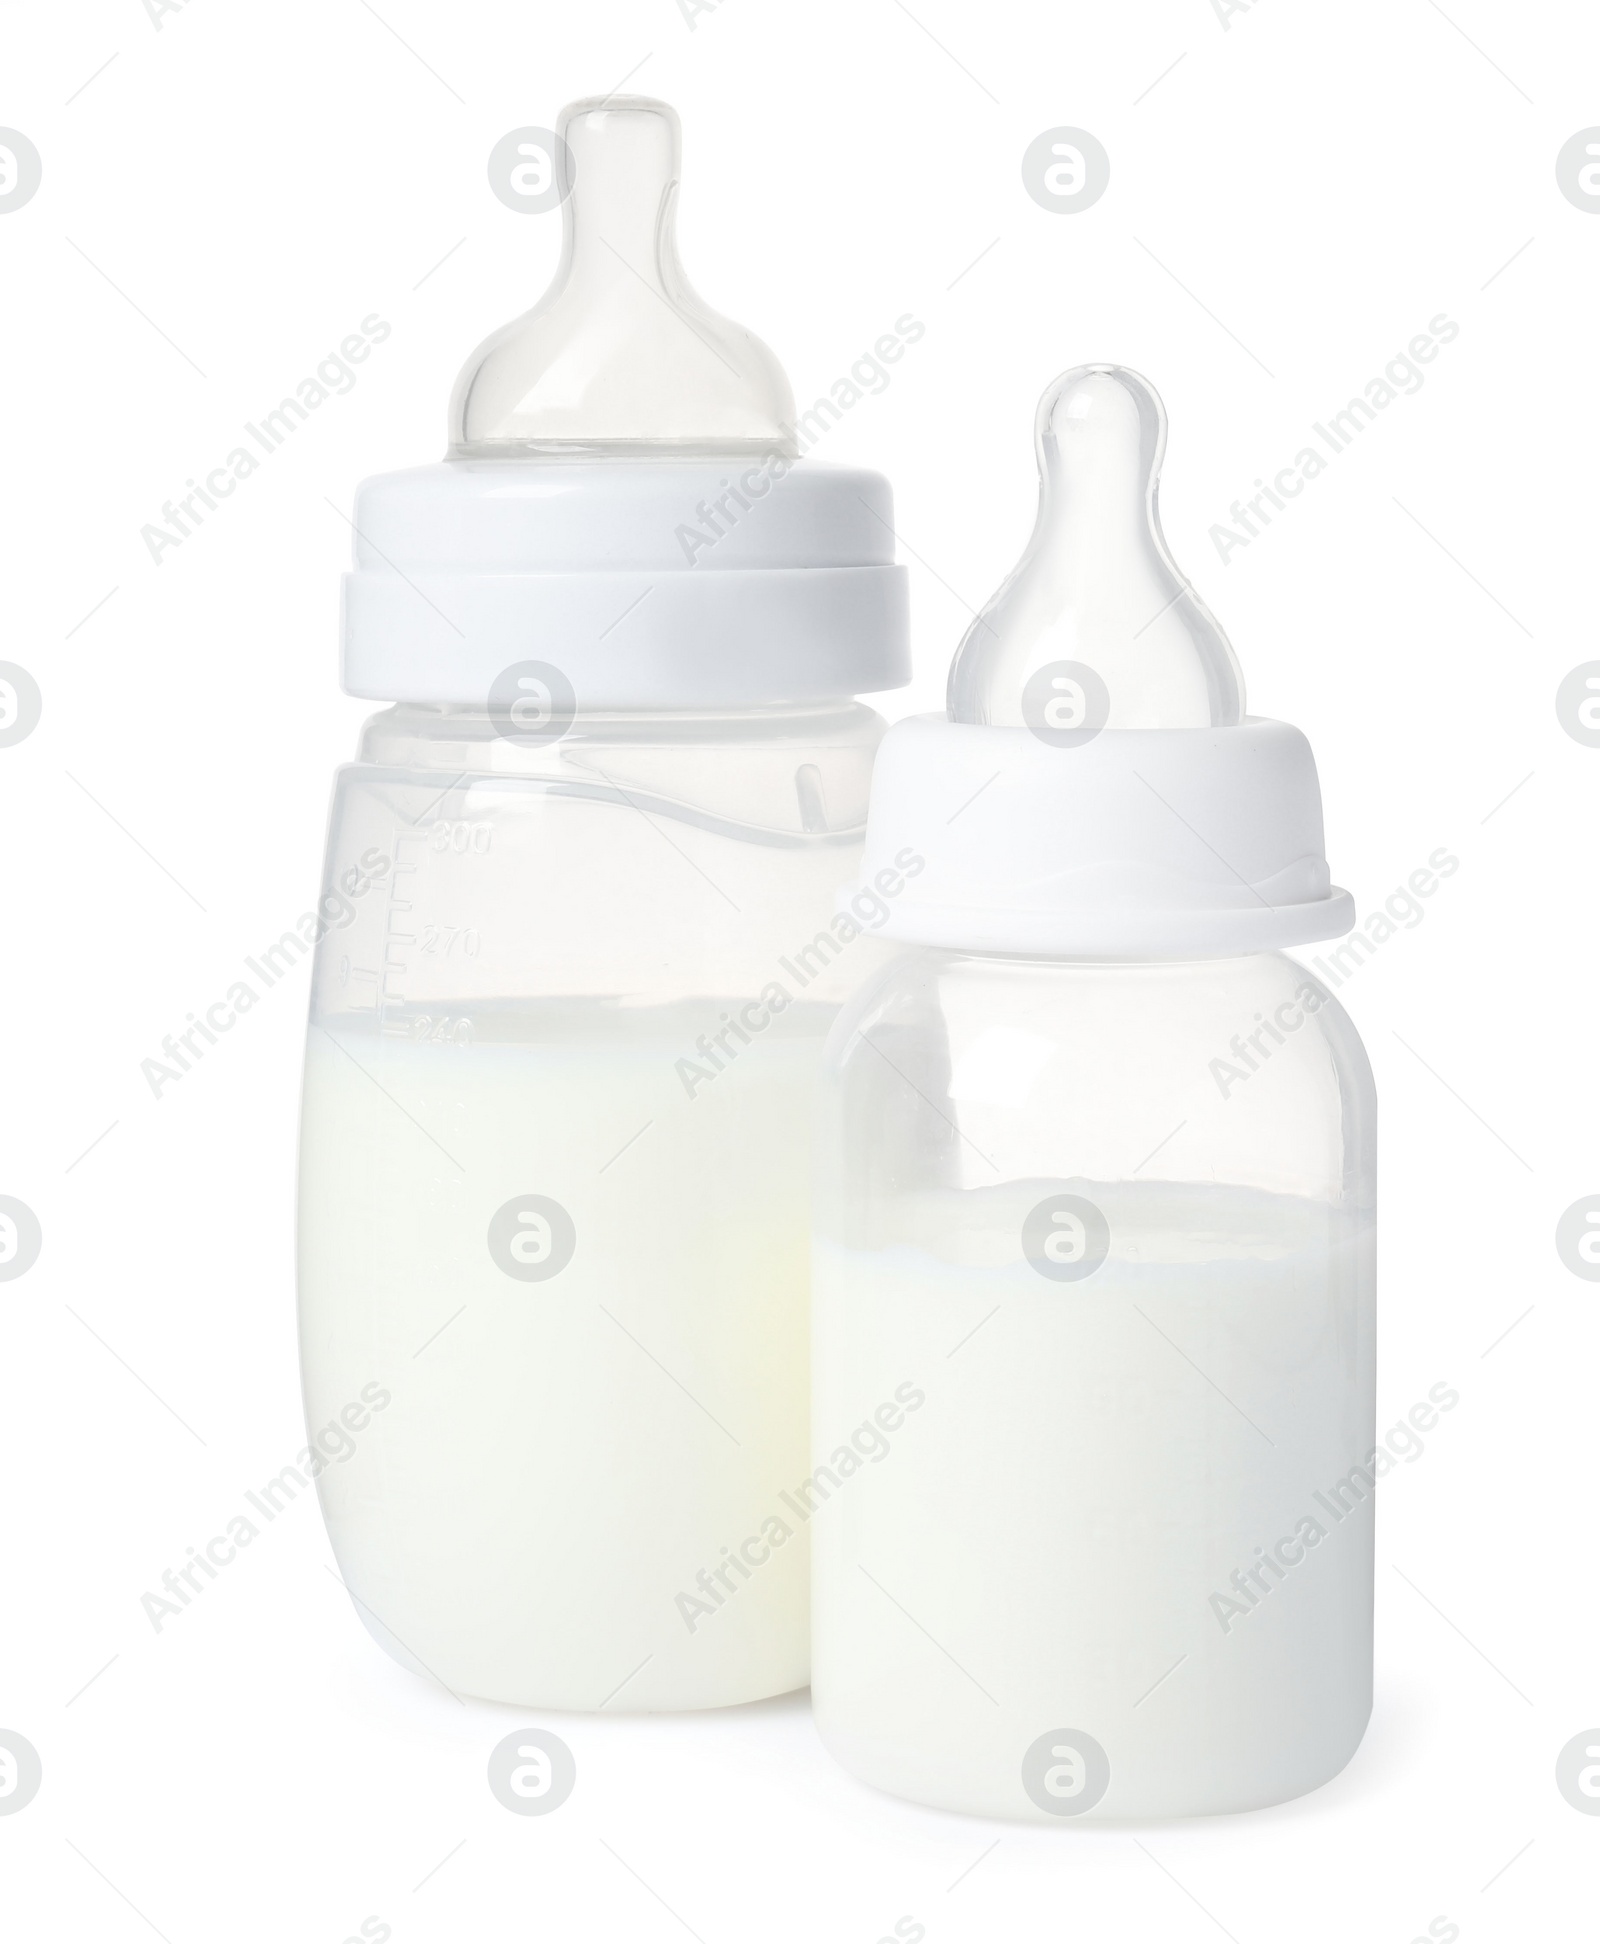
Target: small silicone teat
point(620, 354)
point(1095, 627)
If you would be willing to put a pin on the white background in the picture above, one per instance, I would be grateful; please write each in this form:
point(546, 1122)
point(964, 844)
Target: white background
point(1289, 205)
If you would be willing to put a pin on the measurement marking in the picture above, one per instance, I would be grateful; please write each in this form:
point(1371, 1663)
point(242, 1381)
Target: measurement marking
point(156, 861)
point(394, 961)
point(439, 1866)
point(93, 1678)
point(390, 1097)
point(923, 1630)
point(91, 614)
point(91, 1147)
point(1170, 1671)
point(193, 1433)
point(1199, 1372)
point(667, 1373)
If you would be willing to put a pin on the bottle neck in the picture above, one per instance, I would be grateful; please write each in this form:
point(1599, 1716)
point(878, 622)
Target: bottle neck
point(1025, 964)
point(441, 736)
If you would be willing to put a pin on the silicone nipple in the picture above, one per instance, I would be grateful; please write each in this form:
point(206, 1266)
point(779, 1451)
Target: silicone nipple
point(1095, 627)
point(620, 354)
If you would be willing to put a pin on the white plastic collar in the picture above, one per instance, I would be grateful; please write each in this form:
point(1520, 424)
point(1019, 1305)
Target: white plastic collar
point(1140, 843)
point(648, 583)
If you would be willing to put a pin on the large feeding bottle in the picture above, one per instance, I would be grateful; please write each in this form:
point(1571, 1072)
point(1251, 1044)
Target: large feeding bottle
point(581, 958)
point(1093, 1446)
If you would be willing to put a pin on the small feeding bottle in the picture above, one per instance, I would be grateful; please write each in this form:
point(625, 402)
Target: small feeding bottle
point(576, 962)
point(1092, 1354)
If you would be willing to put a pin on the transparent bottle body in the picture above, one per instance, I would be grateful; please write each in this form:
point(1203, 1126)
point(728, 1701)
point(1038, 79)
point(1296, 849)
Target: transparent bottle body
point(598, 972)
point(1132, 1503)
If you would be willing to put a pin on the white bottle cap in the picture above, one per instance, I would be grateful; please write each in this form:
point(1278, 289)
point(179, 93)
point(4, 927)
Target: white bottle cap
point(1097, 790)
point(622, 502)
